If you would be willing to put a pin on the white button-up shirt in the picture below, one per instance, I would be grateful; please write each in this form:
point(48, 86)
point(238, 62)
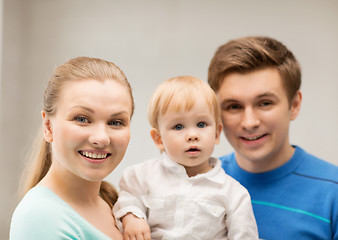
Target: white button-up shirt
point(211, 205)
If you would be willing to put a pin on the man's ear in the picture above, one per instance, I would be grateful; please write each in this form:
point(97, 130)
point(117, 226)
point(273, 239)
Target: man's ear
point(295, 105)
point(47, 127)
point(219, 129)
point(156, 136)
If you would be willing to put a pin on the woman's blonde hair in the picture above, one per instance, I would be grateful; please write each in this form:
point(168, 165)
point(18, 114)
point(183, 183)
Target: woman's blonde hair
point(178, 94)
point(80, 68)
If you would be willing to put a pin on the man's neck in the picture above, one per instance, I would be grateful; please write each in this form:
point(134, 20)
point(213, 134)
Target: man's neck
point(270, 162)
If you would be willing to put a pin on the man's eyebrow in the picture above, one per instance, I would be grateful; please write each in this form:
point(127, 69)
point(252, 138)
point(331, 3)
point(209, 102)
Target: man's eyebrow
point(262, 95)
point(266, 94)
point(229, 100)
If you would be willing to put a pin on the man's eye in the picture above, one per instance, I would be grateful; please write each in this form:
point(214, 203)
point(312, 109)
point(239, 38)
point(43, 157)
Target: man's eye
point(178, 127)
point(81, 119)
point(233, 107)
point(201, 124)
point(265, 103)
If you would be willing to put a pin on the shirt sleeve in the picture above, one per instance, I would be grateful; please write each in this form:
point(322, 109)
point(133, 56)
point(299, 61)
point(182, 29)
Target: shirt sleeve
point(132, 188)
point(240, 220)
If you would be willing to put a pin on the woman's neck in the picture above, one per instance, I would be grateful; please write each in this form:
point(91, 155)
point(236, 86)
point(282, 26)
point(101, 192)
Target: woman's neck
point(70, 187)
point(83, 196)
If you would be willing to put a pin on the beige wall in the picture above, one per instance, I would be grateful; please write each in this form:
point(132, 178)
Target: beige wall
point(152, 41)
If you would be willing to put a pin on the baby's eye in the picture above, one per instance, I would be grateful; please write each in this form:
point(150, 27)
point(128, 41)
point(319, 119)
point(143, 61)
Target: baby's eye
point(81, 119)
point(201, 124)
point(178, 127)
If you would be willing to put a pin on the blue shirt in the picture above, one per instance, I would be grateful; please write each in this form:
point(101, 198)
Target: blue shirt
point(43, 215)
point(298, 200)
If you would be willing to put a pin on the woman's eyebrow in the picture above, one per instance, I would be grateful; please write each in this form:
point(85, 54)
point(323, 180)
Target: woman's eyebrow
point(84, 107)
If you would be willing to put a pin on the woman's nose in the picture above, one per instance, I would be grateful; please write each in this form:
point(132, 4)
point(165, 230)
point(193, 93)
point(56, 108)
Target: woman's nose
point(99, 136)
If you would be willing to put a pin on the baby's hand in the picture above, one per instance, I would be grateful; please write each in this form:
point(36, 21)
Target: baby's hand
point(135, 228)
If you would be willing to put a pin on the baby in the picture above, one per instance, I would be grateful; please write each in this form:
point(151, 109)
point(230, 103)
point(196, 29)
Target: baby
point(184, 194)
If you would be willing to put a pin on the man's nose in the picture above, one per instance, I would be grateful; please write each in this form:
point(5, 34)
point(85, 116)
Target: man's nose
point(250, 119)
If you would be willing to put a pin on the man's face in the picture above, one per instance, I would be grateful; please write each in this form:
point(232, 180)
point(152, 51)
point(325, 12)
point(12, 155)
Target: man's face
point(256, 115)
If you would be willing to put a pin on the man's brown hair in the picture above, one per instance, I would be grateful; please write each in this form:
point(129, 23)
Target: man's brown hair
point(244, 55)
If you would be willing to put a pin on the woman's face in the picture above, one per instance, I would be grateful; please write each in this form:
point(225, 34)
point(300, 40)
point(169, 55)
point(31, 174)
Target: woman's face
point(90, 130)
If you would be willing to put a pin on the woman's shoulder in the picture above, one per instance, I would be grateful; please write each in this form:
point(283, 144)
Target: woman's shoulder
point(42, 215)
point(39, 201)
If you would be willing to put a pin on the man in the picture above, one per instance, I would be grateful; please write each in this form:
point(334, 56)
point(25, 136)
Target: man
point(294, 194)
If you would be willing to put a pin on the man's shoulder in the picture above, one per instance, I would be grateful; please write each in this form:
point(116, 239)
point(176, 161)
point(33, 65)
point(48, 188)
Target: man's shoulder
point(227, 160)
point(316, 168)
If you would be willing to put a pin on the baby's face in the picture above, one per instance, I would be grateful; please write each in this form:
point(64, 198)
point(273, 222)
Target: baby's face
point(189, 136)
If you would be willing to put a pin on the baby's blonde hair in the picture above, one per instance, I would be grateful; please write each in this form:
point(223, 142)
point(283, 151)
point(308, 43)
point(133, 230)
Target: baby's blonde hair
point(179, 94)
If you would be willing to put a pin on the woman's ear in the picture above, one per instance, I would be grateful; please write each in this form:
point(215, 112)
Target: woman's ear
point(47, 127)
point(156, 136)
point(219, 129)
point(295, 105)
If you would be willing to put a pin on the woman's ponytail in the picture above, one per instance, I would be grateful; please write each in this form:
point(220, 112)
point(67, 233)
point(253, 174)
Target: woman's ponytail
point(108, 193)
point(38, 164)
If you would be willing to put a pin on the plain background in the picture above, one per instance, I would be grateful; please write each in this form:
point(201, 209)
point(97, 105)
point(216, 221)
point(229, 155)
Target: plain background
point(152, 41)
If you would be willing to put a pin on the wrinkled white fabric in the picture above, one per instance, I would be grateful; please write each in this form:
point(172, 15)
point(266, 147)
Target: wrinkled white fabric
point(207, 206)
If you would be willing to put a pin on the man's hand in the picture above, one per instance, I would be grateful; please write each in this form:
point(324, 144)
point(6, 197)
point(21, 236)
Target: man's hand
point(135, 228)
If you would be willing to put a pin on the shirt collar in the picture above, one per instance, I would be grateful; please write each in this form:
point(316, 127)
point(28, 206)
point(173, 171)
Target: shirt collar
point(248, 178)
point(213, 175)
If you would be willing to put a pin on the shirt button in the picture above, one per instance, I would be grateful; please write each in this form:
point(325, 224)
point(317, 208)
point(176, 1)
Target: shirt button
point(214, 210)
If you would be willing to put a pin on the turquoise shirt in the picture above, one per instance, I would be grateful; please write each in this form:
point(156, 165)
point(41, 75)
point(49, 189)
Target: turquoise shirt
point(43, 215)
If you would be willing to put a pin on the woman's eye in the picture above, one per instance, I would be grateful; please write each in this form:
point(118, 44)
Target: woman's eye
point(201, 124)
point(81, 119)
point(116, 123)
point(178, 127)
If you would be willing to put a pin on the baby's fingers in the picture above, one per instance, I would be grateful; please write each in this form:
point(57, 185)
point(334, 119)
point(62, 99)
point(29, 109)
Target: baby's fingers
point(137, 237)
point(147, 235)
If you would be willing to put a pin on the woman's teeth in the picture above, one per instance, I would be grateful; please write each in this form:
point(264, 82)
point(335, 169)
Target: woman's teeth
point(94, 155)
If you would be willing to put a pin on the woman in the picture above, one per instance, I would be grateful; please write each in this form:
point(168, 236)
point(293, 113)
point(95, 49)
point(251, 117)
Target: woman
point(86, 116)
